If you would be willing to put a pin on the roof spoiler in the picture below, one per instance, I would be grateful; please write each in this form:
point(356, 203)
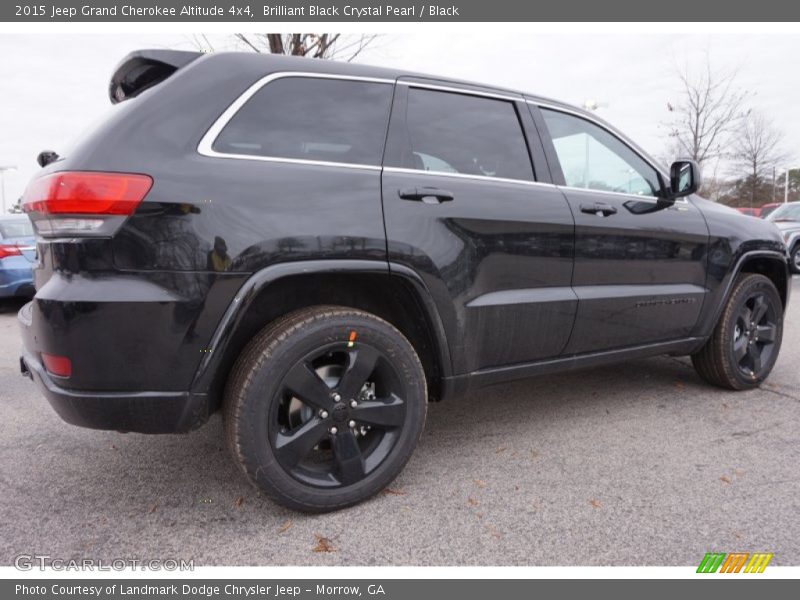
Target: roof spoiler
point(142, 69)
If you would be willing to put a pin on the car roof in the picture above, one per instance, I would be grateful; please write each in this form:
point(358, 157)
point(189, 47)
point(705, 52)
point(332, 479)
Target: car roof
point(274, 62)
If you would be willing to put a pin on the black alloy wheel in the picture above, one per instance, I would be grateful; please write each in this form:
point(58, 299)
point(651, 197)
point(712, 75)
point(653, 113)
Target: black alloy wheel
point(338, 414)
point(324, 407)
point(754, 334)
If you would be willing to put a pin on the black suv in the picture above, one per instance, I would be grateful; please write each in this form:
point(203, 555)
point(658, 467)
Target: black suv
point(317, 249)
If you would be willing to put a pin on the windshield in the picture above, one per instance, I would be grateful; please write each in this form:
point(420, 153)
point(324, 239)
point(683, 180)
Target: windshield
point(786, 212)
point(15, 229)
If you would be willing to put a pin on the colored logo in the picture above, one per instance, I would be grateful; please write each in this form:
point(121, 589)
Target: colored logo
point(735, 562)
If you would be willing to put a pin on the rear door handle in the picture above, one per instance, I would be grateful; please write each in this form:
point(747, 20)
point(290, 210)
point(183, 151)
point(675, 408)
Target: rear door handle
point(601, 209)
point(428, 195)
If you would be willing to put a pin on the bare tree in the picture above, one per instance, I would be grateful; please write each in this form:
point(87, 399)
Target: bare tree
point(755, 151)
point(708, 111)
point(335, 46)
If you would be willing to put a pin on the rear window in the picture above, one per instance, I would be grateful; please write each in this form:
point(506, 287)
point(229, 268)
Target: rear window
point(14, 229)
point(307, 118)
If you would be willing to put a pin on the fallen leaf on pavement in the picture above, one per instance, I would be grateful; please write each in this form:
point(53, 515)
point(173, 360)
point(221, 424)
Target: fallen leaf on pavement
point(594, 503)
point(724, 479)
point(286, 526)
point(480, 483)
point(394, 492)
point(472, 502)
point(323, 544)
point(153, 508)
point(494, 532)
point(239, 501)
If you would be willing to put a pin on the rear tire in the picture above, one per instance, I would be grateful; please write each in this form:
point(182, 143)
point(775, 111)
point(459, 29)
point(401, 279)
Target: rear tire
point(324, 407)
point(742, 351)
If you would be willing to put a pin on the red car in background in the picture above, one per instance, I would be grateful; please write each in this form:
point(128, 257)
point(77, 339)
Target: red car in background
point(750, 212)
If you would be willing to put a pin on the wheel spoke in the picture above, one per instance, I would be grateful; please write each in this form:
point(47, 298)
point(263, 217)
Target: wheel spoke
point(766, 333)
point(740, 347)
point(390, 413)
point(292, 447)
point(759, 309)
point(361, 365)
point(348, 457)
point(746, 315)
point(755, 358)
point(304, 383)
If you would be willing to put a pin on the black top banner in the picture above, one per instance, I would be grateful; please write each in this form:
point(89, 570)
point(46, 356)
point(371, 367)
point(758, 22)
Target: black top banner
point(400, 11)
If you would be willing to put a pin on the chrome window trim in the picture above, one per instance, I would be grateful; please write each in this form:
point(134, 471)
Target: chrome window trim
point(205, 147)
point(457, 90)
point(466, 176)
point(618, 136)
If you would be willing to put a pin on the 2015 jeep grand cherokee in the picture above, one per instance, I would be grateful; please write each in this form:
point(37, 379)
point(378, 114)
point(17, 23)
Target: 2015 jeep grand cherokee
point(318, 248)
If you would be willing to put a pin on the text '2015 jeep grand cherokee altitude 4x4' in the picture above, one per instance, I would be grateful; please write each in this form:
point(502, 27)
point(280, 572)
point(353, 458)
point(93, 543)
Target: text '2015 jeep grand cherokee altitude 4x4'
point(318, 248)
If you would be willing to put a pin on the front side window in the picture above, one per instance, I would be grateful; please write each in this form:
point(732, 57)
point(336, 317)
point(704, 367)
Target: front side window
point(594, 159)
point(307, 118)
point(458, 133)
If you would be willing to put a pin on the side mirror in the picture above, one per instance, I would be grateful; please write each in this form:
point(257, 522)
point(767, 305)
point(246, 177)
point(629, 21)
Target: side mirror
point(685, 178)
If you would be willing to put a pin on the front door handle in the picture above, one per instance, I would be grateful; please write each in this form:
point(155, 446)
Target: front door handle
point(601, 209)
point(428, 195)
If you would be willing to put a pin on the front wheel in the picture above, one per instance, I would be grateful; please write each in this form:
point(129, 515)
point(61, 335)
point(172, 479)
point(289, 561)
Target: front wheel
point(744, 346)
point(324, 407)
point(795, 256)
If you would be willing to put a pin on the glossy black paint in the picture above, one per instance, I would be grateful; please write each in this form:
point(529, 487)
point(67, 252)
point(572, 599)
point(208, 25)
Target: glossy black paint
point(506, 279)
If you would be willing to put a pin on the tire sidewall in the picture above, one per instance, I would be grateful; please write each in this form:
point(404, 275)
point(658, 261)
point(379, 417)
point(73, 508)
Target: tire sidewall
point(262, 391)
point(793, 258)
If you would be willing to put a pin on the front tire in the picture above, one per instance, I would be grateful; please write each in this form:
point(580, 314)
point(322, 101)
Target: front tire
point(324, 407)
point(794, 263)
point(742, 351)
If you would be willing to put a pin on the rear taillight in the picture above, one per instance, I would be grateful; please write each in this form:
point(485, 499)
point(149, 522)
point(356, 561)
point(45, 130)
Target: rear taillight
point(7, 250)
point(83, 202)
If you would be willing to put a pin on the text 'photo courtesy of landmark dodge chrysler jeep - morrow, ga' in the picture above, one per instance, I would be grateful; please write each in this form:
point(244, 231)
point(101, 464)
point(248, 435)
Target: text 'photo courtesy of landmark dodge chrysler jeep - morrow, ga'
point(318, 249)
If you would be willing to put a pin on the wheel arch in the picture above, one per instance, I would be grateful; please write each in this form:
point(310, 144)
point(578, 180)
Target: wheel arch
point(770, 263)
point(771, 266)
point(397, 296)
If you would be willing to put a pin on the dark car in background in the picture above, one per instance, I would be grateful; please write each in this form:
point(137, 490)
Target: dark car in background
point(317, 249)
point(17, 255)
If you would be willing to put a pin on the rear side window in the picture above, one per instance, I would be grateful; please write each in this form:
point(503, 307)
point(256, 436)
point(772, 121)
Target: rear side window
point(308, 118)
point(458, 133)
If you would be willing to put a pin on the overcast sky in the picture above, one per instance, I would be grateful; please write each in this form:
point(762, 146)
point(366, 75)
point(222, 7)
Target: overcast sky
point(53, 86)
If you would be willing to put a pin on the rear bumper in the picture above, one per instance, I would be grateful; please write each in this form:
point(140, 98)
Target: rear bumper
point(135, 411)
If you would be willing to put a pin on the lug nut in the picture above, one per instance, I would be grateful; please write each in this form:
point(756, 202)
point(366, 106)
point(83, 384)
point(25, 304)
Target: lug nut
point(334, 431)
point(323, 414)
point(336, 397)
point(352, 424)
point(353, 403)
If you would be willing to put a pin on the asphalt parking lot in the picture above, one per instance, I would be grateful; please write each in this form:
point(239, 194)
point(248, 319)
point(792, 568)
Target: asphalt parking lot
point(636, 464)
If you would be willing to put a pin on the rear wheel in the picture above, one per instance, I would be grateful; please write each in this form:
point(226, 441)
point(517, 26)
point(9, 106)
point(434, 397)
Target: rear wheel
point(324, 407)
point(744, 346)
